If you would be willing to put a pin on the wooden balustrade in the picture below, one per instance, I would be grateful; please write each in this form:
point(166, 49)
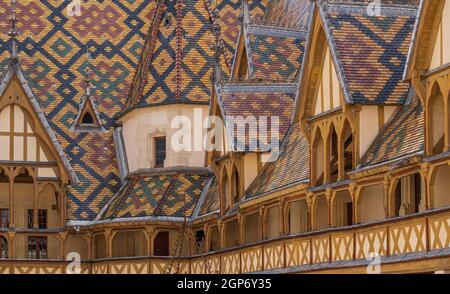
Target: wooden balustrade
point(396, 237)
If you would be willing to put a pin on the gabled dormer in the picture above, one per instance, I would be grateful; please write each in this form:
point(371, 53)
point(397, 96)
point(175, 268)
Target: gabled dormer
point(88, 118)
point(250, 120)
point(348, 90)
point(25, 135)
point(269, 52)
point(428, 70)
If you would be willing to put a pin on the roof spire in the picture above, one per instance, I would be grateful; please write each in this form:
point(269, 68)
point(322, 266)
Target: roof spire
point(13, 32)
point(87, 79)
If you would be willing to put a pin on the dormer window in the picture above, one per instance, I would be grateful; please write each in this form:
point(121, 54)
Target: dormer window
point(88, 119)
point(160, 151)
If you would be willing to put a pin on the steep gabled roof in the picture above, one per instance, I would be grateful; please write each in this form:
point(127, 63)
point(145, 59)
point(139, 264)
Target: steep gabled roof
point(290, 168)
point(370, 46)
point(14, 71)
point(425, 32)
point(178, 56)
point(275, 54)
point(52, 48)
point(211, 201)
point(403, 136)
point(368, 52)
point(246, 101)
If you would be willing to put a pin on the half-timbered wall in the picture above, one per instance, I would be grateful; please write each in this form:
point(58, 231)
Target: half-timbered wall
point(328, 93)
point(441, 51)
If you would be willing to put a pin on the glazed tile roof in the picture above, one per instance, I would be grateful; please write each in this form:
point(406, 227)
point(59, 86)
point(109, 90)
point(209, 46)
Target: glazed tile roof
point(402, 136)
point(288, 13)
point(53, 48)
point(370, 46)
point(292, 166)
point(211, 202)
point(248, 101)
point(275, 55)
point(172, 195)
point(178, 63)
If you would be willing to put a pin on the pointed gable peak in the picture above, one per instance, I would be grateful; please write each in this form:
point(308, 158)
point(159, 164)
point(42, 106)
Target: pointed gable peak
point(16, 91)
point(88, 118)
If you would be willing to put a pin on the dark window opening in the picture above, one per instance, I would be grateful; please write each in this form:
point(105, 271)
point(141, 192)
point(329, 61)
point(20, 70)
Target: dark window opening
point(200, 241)
point(349, 216)
point(161, 244)
point(4, 218)
point(30, 218)
point(3, 248)
point(160, 151)
point(37, 247)
point(42, 219)
point(88, 119)
point(236, 187)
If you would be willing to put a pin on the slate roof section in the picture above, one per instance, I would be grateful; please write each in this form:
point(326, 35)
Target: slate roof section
point(370, 46)
point(291, 167)
point(164, 194)
point(402, 137)
point(248, 101)
point(276, 54)
point(288, 13)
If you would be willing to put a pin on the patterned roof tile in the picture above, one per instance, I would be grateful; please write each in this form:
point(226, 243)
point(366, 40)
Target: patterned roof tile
point(276, 58)
point(158, 195)
point(248, 103)
point(403, 136)
point(291, 167)
point(372, 46)
point(211, 202)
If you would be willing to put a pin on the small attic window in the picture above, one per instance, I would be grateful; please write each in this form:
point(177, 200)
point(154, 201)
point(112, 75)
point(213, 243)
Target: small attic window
point(88, 119)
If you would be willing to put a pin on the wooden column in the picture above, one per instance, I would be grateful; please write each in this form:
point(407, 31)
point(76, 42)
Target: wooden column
point(109, 240)
point(328, 195)
point(35, 204)
point(326, 158)
point(388, 197)
point(90, 241)
point(11, 177)
point(149, 234)
point(241, 228)
point(425, 175)
point(220, 226)
point(262, 221)
point(62, 239)
point(11, 236)
point(341, 161)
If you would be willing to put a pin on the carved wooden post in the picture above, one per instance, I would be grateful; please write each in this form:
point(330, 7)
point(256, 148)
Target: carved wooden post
point(149, 232)
point(425, 175)
point(310, 204)
point(328, 194)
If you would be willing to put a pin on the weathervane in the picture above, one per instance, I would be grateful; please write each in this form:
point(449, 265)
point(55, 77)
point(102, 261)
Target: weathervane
point(13, 31)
